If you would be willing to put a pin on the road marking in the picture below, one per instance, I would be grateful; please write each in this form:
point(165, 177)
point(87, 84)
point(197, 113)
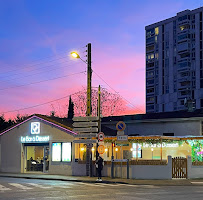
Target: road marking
point(22, 187)
point(3, 188)
point(40, 186)
point(145, 186)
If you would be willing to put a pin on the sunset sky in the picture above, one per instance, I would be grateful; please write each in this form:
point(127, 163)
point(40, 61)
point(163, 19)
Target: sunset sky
point(36, 38)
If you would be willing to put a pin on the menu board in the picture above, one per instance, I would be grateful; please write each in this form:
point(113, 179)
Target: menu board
point(56, 152)
point(66, 151)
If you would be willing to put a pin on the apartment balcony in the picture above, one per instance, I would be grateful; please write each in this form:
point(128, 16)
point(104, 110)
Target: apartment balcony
point(183, 48)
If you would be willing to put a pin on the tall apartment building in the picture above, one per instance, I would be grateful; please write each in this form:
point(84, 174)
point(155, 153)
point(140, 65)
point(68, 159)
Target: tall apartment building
point(174, 69)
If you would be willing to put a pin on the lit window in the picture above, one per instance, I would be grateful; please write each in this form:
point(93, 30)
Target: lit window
point(137, 150)
point(157, 31)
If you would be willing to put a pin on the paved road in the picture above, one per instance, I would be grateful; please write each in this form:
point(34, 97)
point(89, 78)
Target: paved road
point(31, 189)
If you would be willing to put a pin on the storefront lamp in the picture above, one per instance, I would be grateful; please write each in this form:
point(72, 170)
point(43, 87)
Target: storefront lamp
point(82, 149)
point(116, 149)
point(92, 148)
point(106, 150)
point(131, 149)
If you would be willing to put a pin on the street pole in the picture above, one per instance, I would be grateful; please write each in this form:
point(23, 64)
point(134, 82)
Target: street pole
point(99, 116)
point(89, 108)
point(89, 80)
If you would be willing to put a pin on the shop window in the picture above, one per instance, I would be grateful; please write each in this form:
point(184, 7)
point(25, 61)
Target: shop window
point(137, 150)
point(61, 152)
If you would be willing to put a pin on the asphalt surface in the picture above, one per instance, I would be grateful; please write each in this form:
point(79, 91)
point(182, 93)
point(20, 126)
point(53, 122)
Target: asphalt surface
point(31, 189)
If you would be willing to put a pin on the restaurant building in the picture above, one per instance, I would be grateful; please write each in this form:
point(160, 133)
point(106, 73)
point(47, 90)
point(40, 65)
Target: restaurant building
point(38, 144)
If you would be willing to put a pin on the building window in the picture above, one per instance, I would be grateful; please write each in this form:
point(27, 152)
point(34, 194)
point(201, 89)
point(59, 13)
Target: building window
point(137, 150)
point(61, 152)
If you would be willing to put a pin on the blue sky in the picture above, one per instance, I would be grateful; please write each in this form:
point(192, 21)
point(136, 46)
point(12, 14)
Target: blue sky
point(36, 38)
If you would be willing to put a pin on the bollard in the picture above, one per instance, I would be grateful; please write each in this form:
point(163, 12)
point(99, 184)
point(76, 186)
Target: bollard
point(112, 167)
point(127, 168)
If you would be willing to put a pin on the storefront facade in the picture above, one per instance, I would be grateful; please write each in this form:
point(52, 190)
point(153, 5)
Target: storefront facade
point(37, 145)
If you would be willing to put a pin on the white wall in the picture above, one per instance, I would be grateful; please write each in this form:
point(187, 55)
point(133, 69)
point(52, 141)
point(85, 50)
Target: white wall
point(194, 171)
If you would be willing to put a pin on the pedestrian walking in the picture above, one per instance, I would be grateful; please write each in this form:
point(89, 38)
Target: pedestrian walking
point(99, 166)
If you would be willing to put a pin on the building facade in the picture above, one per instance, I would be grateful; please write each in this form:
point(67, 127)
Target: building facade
point(174, 69)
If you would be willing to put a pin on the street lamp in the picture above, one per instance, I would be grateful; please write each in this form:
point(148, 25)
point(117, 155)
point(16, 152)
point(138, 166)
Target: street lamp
point(89, 76)
point(152, 152)
point(75, 54)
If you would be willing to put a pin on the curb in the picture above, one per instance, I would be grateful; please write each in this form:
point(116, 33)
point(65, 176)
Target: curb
point(188, 183)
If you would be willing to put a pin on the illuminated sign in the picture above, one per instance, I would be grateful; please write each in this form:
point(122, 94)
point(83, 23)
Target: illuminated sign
point(30, 139)
point(159, 145)
point(35, 128)
point(56, 152)
point(137, 150)
point(66, 151)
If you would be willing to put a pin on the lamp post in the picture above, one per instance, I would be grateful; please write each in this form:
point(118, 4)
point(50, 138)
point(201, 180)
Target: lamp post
point(89, 77)
point(89, 107)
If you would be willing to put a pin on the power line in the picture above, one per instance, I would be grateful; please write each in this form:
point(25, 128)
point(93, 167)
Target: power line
point(39, 104)
point(38, 63)
point(42, 81)
point(29, 67)
point(39, 72)
point(118, 93)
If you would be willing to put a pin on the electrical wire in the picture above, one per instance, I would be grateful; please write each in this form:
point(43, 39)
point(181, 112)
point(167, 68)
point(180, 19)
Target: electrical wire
point(42, 81)
point(29, 66)
point(118, 93)
point(39, 72)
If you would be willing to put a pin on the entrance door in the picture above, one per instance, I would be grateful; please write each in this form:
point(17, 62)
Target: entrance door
point(179, 167)
point(37, 157)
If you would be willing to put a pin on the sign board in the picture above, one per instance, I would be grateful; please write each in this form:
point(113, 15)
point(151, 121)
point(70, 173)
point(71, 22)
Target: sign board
point(101, 136)
point(101, 149)
point(120, 126)
point(85, 141)
point(122, 138)
point(120, 132)
point(33, 139)
point(85, 119)
point(85, 124)
point(85, 135)
point(35, 127)
point(122, 143)
point(85, 130)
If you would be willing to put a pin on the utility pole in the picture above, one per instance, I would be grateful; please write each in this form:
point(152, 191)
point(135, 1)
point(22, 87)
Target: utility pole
point(89, 109)
point(99, 116)
point(89, 80)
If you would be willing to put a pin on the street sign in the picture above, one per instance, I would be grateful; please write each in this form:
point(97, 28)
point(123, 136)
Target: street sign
point(122, 137)
point(101, 136)
point(85, 130)
point(85, 141)
point(120, 132)
point(85, 124)
point(101, 149)
point(85, 135)
point(120, 126)
point(85, 119)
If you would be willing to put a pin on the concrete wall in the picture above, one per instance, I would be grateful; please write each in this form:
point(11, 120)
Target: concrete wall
point(135, 171)
point(194, 171)
point(179, 128)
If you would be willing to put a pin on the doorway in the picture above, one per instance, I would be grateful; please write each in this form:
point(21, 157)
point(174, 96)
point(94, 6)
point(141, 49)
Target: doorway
point(37, 157)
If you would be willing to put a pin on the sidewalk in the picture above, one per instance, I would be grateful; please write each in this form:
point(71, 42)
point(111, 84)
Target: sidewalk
point(174, 182)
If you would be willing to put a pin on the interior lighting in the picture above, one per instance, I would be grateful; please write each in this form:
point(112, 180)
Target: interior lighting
point(92, 148)
point(106, 150)
point(131, 149)
point(116, 149)
point(82, 149)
